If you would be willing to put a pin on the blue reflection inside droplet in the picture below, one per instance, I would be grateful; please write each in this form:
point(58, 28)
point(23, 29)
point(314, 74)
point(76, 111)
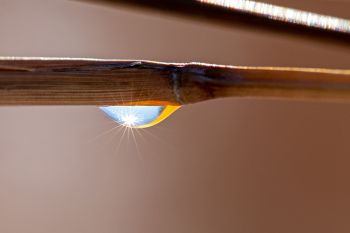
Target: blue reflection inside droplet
point(133, 116)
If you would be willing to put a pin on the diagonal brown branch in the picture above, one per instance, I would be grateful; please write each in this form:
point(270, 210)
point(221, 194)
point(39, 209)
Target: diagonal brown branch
point(262, 17)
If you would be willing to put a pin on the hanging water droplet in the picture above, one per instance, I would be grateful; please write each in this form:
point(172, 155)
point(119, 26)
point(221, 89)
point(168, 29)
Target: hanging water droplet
point(138, 116)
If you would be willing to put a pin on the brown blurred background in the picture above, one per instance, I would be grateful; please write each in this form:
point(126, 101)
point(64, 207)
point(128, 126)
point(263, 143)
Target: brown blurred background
point(233, 165)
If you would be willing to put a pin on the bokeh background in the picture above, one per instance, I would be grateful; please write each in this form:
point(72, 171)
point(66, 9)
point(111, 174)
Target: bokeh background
point(232, 165)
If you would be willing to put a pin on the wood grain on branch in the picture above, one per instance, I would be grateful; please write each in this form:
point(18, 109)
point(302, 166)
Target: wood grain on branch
point(65, 81)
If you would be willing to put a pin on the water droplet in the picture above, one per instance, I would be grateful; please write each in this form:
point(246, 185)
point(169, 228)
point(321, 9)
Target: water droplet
point(138, 116)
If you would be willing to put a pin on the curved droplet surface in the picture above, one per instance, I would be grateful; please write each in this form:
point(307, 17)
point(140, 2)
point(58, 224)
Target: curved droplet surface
point(138, 116)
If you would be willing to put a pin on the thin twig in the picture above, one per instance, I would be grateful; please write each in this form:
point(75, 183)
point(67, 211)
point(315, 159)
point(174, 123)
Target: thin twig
point(66, 81)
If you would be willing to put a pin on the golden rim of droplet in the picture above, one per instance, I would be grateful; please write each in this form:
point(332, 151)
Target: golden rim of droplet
point(166, 112)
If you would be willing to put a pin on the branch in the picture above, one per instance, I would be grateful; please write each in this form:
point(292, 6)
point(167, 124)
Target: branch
point(64, 81)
